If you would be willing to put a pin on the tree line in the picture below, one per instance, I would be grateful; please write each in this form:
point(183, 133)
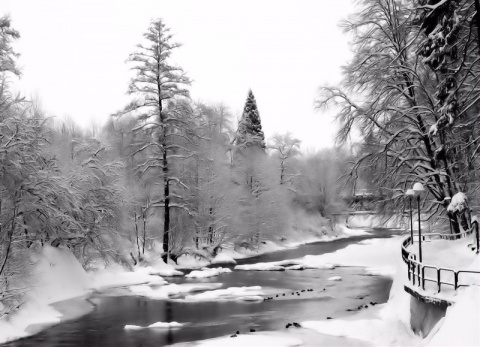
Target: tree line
point(166, 175)
point(410, 98)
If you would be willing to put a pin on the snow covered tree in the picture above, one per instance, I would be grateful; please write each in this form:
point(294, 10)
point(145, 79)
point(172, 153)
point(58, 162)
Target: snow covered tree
point(451, 52)
point(390, 95)
point(157, 86)
point(249, 132)
point(285, 147)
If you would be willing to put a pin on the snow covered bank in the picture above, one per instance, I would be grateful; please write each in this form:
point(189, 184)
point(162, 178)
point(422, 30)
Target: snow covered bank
point(223, 258)
point(253, 293)
point(208, 272)
point(166, 291)
point(377, 255)
point(56, 276)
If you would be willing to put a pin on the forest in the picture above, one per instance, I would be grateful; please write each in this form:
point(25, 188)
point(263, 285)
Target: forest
point(166, 174)
point(171, 176)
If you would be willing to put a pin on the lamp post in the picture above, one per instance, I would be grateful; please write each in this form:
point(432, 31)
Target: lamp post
point(410, 193)
point(418, 190)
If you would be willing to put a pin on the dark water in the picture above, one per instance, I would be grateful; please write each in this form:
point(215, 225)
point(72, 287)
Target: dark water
point(104, 326)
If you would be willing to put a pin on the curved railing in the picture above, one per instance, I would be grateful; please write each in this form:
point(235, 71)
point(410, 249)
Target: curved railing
point(416, 269)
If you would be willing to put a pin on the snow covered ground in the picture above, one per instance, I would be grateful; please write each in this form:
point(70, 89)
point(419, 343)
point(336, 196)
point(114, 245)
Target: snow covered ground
point(59, 276)
point(386, 324)
point(374, 254)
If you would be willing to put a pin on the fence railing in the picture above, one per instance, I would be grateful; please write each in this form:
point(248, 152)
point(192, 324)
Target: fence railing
point(416, 269)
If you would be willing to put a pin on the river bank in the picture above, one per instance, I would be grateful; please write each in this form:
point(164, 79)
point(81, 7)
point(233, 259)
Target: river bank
point(52, 317)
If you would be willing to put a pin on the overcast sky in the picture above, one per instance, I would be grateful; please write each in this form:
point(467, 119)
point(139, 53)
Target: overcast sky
point(73, 55)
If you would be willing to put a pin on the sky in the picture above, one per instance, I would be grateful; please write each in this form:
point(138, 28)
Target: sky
point(73, 56)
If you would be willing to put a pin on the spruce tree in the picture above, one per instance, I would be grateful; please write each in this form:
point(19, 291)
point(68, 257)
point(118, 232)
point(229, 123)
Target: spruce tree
point(157, 84)
point(249, 131)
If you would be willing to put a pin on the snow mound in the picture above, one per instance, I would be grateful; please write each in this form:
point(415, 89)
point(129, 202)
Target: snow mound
point(59, 276)
point(260, 267)
point(118, 277)
point(460, 325)
point(223, 258)
point(155, 325)
point(165, 325)
point(208, 272)
point(233, 293)
point(250, 340)
point(335, 278)
point(133, 327)
point(166, 291)
point(458, 203)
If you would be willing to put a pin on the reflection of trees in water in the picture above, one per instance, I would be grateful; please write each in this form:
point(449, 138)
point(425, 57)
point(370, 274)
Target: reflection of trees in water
point(168, 318)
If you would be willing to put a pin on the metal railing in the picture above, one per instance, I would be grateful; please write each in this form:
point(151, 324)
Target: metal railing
point(416, 269)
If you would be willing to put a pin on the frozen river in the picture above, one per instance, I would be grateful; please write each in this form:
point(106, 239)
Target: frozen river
point(104, 326)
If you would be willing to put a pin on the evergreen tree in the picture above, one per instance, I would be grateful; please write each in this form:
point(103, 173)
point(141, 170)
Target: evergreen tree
point(249, 132)
point(158, 85)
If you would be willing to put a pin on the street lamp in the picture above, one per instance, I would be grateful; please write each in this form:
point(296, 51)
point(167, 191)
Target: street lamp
point(418, 190)
point(410, 193)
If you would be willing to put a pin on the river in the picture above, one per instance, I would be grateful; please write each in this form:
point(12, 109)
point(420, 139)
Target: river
point(104, 325)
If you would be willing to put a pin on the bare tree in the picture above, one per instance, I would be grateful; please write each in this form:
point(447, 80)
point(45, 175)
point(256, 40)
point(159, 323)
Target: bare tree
point(285, 147)
point(389, 94)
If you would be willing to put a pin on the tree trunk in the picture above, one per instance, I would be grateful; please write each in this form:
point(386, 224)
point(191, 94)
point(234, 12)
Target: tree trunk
point(10, 235)
point(166, 221)
point(144, 218)
point(136, 233)
point(477, 16)
point(210, 227)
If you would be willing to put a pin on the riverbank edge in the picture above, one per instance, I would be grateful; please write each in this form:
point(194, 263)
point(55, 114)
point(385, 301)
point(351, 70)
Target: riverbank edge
point(67, 313)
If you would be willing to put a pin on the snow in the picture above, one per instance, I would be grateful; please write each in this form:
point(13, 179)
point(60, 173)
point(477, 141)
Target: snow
point(166, 291)
point(380, 325)
point(57, 275)
point(348, 232)
point(208, 272)
point(118, 277)
point(460, 325)
point(335, 278)
point(252, 340)
point(132, 327)
point(458, 203)
point(433, 130)
point(223, 258)
point(253, 293)
point(155, 325)
point(449, 254)
point(376, 255)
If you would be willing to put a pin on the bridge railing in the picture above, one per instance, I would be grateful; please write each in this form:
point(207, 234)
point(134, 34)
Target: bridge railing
point(442, 275)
